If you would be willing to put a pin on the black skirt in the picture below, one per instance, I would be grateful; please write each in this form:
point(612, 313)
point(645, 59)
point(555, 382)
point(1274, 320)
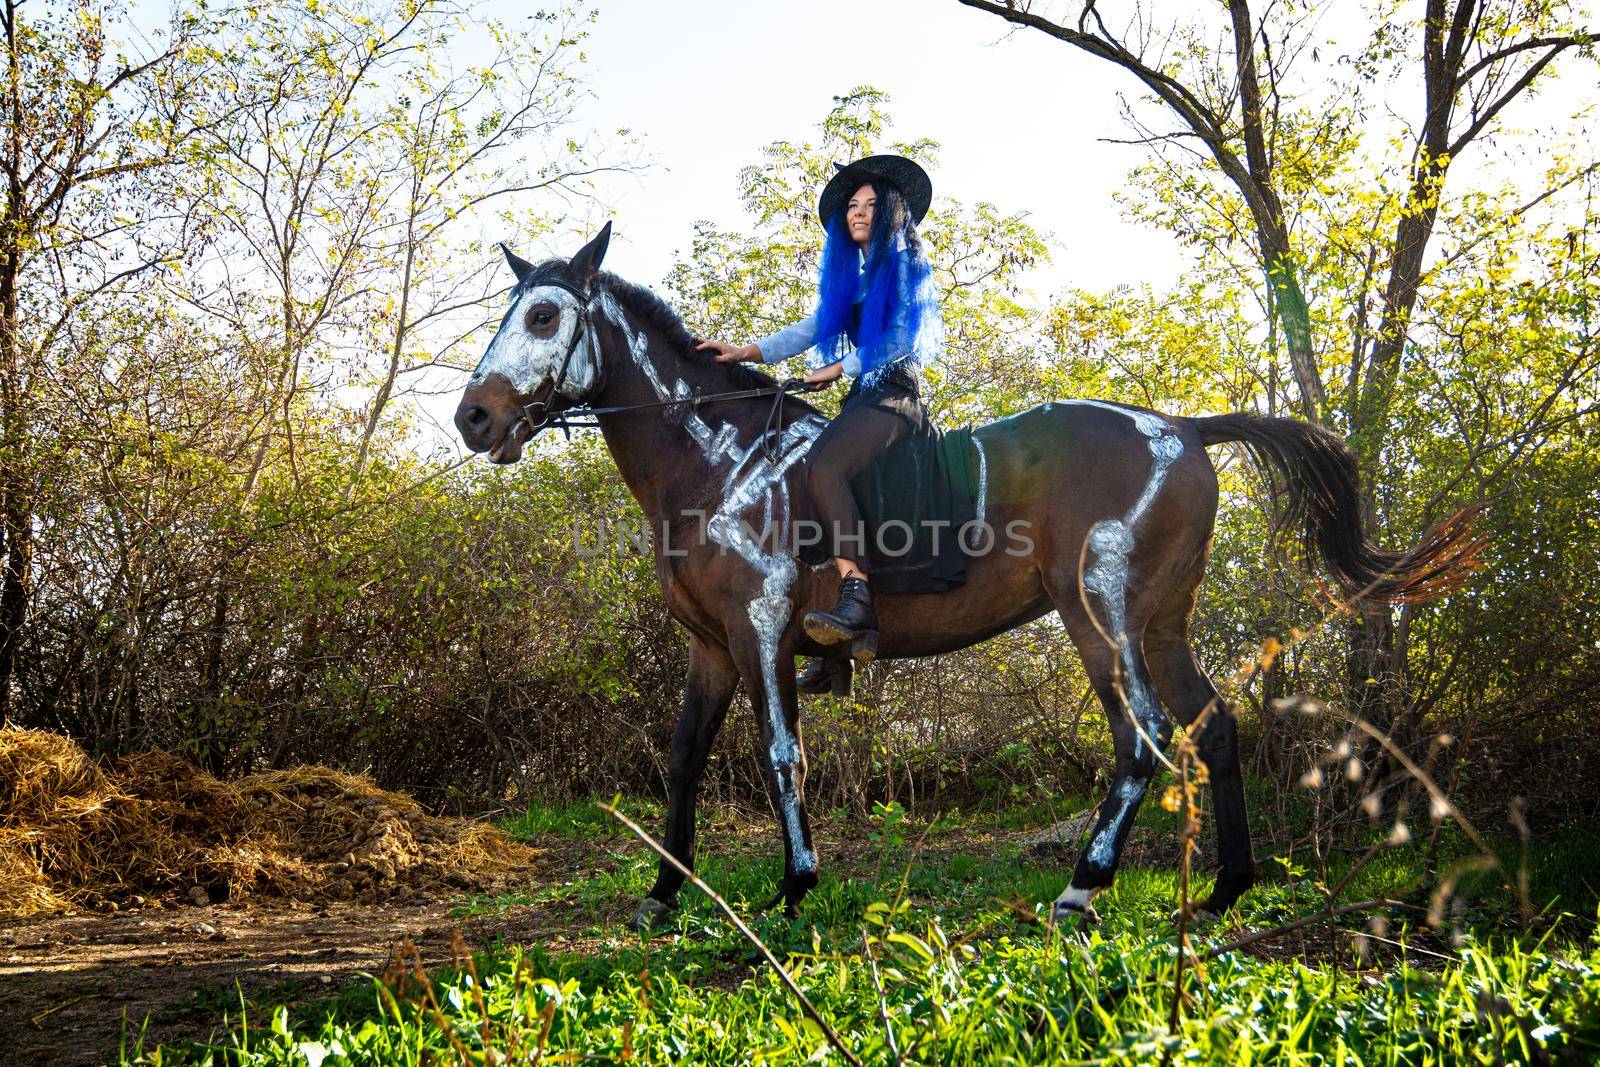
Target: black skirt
point(923, 480)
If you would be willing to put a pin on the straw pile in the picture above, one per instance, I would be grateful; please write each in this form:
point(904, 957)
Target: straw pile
point(155, 829)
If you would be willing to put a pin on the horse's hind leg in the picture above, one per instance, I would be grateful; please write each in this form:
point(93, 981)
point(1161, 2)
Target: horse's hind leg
point(1121, 680)
point(711, 683)
point(1186, 690)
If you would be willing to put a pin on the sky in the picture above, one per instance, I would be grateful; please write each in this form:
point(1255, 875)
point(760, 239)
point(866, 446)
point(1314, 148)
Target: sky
point(708, 83)
point(1023, 120)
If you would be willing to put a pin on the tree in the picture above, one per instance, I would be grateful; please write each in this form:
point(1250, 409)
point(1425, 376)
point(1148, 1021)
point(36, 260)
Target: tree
point(453, 135)
point(344, 197)
point(1274, 143)
point(283, 223)
point(1476, 57)
point(87, 132)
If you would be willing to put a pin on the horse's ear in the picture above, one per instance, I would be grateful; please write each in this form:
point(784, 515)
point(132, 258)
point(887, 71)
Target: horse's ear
point(586, 264)
point(519, 266)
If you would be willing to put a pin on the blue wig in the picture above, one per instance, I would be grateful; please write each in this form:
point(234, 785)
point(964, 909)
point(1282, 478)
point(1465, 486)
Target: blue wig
point(900, 318)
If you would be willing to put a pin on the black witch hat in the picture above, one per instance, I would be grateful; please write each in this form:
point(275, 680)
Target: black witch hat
point(912, 181)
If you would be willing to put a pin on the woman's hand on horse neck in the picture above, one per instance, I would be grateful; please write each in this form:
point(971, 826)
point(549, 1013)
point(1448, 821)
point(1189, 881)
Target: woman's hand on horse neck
point(727, 353)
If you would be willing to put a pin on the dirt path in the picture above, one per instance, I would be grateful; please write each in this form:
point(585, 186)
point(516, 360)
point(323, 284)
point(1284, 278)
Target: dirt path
point(65, 984)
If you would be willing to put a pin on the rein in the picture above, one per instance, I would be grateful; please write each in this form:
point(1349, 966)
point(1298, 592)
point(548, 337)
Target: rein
point(538, 416)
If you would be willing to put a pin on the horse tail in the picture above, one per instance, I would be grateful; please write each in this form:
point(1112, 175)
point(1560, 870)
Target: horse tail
point(1323, 496)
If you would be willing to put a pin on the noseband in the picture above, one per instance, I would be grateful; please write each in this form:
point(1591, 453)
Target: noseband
point(538, 416)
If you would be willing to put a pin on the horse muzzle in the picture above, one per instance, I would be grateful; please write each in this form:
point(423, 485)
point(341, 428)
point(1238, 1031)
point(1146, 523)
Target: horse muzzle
point(490, 419)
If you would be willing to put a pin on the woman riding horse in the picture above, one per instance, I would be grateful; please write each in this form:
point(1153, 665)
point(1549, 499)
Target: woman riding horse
point(1121, 502)
point(877, 319)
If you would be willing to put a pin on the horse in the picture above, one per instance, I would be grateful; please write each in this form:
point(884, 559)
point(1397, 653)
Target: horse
point(1116, 503)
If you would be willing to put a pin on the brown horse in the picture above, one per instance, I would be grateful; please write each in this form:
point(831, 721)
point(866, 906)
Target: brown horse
point(1107, 511)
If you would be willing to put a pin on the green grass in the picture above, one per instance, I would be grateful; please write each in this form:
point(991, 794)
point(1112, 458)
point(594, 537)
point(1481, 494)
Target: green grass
point(965, 980)
point(573, 819)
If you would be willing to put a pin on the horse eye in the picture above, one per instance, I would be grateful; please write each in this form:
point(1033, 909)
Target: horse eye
point(542, 318)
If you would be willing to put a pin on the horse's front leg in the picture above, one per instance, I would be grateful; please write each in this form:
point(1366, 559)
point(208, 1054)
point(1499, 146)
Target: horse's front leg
point(773, 696)
point(712, 680)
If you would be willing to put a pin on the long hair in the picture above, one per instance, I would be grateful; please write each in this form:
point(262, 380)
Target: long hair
point(899, 287)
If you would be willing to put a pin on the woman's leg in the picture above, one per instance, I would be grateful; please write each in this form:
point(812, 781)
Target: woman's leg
point(858, 434)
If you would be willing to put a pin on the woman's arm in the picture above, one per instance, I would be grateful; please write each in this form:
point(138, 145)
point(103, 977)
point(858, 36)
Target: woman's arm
point(774, 348)
point(789, 341)
point(727, 353)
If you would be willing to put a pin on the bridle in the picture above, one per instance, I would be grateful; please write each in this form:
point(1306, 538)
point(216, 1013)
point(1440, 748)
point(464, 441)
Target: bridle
point(543, 418)
point(537, 416)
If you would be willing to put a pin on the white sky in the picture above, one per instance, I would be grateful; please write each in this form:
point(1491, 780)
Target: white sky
point(708, 83)
point(1021, 118)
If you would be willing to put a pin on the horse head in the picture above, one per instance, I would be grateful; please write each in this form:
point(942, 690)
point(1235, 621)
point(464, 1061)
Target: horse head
point(544, 357)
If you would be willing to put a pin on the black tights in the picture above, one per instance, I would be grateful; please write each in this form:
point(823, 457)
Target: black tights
point(843, 451)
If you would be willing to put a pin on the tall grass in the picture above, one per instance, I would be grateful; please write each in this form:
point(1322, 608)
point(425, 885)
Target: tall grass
point(968, 975)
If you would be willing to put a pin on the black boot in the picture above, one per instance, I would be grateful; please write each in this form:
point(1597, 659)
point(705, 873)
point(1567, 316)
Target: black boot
point(852, 619)
point(824, 674)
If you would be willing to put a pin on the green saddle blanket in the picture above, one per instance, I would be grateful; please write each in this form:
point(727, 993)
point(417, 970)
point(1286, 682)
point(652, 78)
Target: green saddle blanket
point(915, 498)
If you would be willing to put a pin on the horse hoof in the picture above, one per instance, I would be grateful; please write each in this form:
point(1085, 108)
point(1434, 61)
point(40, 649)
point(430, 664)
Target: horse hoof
point(791, 908)
point(1199, 919)
point(651, 915)
point(791, 891)
point(1061, 911)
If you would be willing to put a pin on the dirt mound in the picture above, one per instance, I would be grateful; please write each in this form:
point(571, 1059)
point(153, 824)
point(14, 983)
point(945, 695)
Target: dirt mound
point(155, 829)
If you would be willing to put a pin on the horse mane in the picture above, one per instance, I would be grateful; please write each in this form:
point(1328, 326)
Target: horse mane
point(647, 306)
